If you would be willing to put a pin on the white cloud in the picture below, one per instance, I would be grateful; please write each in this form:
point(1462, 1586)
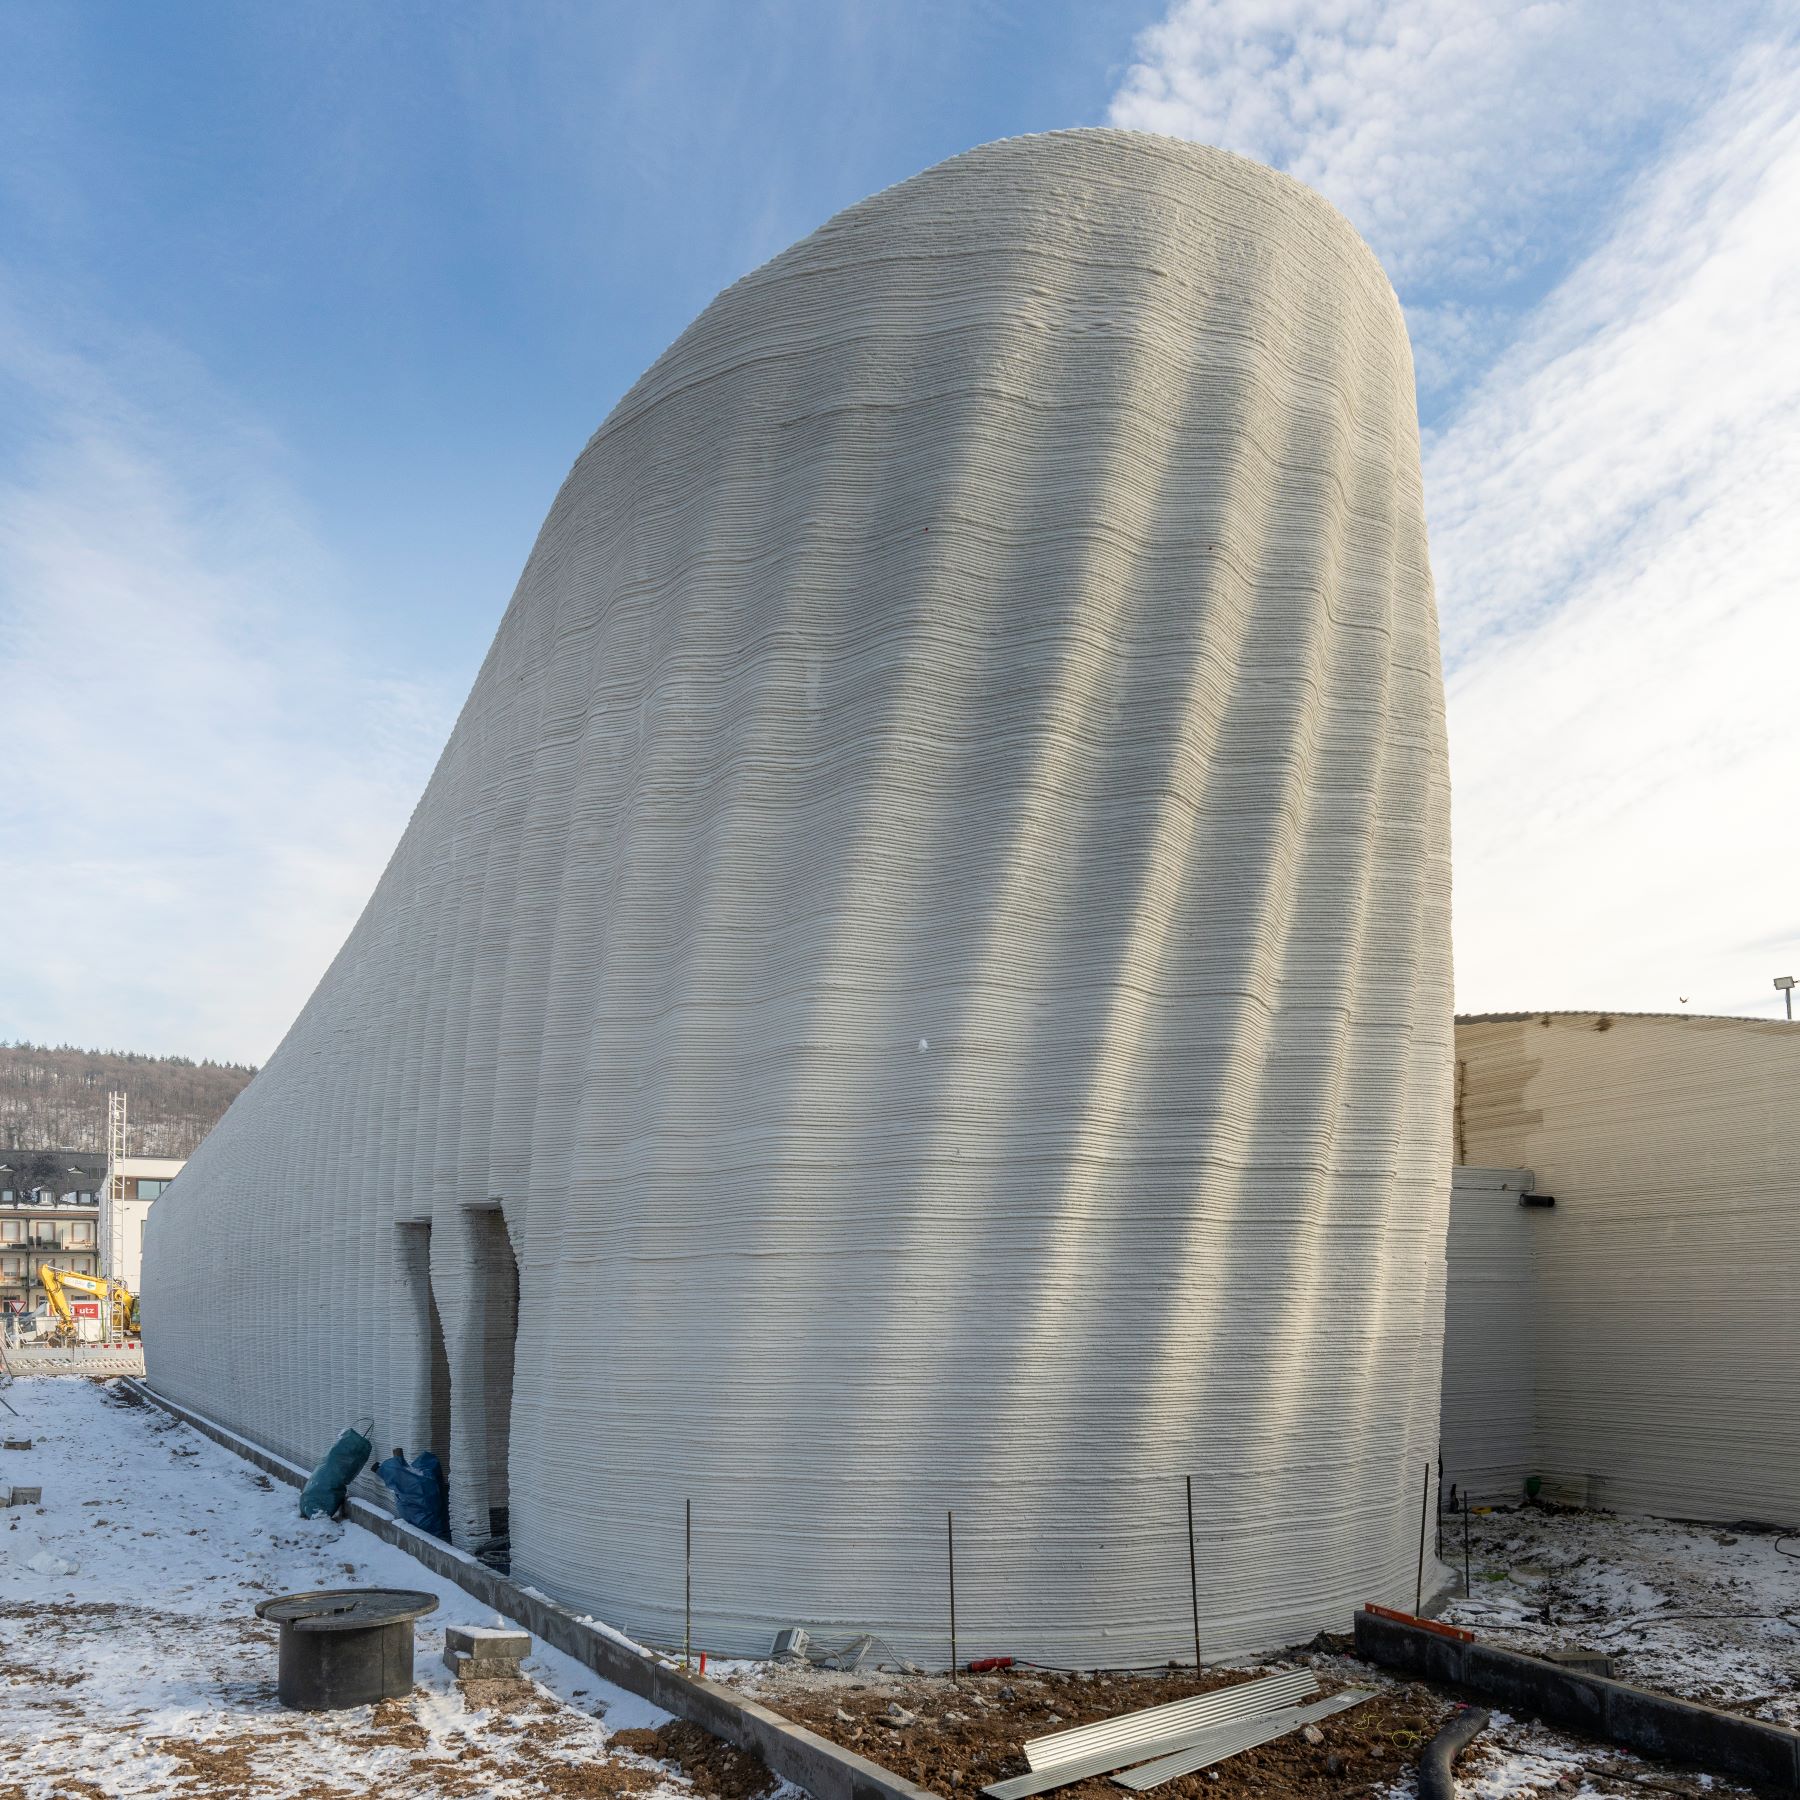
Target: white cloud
point(1615, 533)
point(202, 782)
point(1448, 131)
point(1611, 498)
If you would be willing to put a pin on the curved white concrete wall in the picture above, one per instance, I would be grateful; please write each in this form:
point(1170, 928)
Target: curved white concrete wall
point(933, 927)
point(1666, 1280)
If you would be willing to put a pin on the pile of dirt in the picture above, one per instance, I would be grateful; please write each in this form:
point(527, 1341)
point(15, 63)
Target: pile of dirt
point(960, 1736)
point(715, 1767)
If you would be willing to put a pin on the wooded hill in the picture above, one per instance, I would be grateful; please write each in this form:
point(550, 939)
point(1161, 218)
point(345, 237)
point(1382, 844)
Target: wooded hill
point(56, 1099)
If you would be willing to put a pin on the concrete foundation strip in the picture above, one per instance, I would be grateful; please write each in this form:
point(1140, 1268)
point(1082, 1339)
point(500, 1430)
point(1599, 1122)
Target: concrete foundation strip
point(1177, 1718)
point(1228, 1740)
point(1654, 1724)
point(822, 1768)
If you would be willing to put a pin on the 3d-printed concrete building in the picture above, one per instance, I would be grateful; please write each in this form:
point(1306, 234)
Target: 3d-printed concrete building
point(921, 980)
point(1633, 1345)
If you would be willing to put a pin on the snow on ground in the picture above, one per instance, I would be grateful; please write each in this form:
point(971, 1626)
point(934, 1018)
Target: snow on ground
point(1704, 1611)
point(132, 1662)
point(132, 1666)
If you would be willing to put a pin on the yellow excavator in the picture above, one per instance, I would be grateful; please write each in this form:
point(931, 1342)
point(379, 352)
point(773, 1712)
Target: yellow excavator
point(122, 1303)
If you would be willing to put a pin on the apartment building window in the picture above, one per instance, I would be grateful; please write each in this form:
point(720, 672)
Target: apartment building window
point(12, 1231)
point(12, 1267)
point(148, 1190)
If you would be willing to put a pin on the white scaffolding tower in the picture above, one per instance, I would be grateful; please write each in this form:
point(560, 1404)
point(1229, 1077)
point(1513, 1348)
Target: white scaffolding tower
point(112, 1212)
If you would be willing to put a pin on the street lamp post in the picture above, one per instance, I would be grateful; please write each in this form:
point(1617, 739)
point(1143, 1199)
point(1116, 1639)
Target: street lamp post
point(1786, 984)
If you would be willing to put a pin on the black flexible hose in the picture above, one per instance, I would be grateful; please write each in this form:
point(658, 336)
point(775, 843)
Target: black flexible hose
point(1435, 1780)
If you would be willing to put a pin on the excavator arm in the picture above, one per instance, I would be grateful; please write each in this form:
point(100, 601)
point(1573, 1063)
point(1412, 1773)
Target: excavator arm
point(53, 1279)
point(58, 1284)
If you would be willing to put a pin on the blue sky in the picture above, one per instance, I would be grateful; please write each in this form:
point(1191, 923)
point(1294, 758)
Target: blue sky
point(305, 311)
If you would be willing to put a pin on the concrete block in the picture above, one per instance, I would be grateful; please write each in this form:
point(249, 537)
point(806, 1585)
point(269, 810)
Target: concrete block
point(25, 1496)
point(1583, 1662)
point(487, 1641)
point(15, 1443)
point(482, 1668)
point(1393, 1643)
point(1658, 1725)
point(1527, 1684)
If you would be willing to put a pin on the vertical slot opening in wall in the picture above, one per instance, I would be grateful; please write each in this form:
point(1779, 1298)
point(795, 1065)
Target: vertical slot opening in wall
point(432, 1400)
point(497, 1274)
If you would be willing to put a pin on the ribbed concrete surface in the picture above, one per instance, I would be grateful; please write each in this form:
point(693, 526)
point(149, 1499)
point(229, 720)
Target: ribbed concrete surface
point(933, 924)
point(1668, 1276)
point(1490, 1440)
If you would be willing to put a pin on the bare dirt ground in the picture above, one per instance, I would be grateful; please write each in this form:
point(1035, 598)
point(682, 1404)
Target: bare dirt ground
point(1708, 1612)
point(962, 1735)
point(967, 1733)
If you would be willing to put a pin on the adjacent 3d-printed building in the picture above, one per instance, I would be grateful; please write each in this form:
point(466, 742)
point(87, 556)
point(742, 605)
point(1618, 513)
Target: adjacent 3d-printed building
point(1634, 1345)
point(921, 980)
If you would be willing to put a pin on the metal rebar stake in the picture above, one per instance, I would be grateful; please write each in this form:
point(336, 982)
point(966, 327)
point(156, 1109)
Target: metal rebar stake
point(1424, 1507)
point(1193, 1572)
point(950, 1546)
point(1466, 1589)
point(1438, 1515)
point(687, 1601)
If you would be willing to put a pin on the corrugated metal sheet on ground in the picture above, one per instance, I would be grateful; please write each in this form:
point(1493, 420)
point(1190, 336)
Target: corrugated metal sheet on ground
point(1246, 1734)
point(1169, 1728)
point(1233, 1702)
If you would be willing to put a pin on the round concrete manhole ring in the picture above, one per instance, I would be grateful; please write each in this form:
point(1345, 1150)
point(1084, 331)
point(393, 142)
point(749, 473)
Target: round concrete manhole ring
point(345, 1646)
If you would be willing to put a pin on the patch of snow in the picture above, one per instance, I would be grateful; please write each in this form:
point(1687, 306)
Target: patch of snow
point(130, 1650)
point(1696, 1610)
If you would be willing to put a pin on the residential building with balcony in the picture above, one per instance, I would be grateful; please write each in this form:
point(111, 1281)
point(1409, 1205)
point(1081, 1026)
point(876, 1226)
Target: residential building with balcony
point(49, 1213)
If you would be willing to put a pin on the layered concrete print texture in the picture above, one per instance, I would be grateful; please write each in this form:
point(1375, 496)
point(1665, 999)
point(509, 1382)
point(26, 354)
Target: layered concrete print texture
point(1490, 1439)
point(921, 980)
point(1647, 1321)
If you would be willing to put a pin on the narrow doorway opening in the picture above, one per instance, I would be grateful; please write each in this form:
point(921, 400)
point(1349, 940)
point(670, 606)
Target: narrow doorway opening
point(431, 1394)
point(497, 1304)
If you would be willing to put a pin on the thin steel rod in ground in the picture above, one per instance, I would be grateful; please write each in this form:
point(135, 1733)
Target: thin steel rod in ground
point(1466, 1589)
point(1193, 1572)
point(1424, 1507)
point(950, 1546)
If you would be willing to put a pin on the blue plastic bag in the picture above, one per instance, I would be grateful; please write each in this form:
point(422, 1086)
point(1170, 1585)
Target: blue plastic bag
point(418, 1488)
point(330, 1483)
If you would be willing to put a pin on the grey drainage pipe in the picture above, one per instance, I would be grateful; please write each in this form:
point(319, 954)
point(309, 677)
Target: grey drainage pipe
point(1435, 1780)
